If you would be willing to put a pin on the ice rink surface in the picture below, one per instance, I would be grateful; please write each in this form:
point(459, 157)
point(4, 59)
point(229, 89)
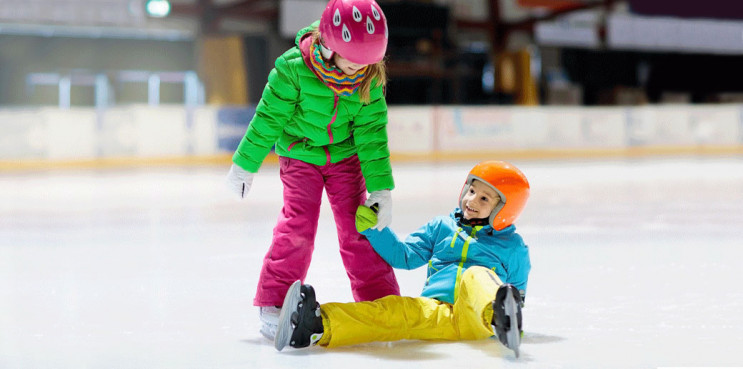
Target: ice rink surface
point(637, 263)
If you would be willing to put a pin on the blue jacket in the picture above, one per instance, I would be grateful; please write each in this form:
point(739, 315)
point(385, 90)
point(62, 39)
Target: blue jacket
point(449, 247)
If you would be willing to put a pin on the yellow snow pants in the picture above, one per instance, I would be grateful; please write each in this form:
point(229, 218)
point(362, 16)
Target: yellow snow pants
point(393, 318)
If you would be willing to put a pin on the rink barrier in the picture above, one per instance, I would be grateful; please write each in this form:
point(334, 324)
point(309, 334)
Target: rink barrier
point(142, 135)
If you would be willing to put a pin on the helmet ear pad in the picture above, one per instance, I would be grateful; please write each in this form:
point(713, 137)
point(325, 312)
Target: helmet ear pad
point(498, 207)
point(327, 54)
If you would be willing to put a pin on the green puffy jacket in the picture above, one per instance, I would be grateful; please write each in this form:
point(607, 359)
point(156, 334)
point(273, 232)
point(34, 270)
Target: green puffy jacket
point(307, 121)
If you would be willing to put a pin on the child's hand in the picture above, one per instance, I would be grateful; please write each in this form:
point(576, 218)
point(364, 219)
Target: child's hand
point(365, 218)
point(239, 180)
point(383, 200)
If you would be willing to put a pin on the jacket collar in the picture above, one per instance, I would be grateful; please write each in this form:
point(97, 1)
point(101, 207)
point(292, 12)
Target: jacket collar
point(304, 46)
point(458, 217)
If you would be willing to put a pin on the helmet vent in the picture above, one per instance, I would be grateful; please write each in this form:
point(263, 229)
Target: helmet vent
point(356, 14)
point(375, 13)
point(346, 34)
point(337, 18)
point(369, 26)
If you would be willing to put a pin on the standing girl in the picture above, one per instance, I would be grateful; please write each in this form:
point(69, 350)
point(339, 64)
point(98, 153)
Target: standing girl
point(324, 110)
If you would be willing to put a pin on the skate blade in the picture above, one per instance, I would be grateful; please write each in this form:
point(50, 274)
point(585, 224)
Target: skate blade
point(284, 330)
point(513, 336)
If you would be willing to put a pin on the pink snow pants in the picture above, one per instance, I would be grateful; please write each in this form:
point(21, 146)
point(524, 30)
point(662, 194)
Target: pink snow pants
point(288, 258)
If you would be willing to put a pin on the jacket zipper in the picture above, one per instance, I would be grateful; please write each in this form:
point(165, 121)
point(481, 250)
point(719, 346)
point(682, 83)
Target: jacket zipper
point(460, 268)
point(330, 131)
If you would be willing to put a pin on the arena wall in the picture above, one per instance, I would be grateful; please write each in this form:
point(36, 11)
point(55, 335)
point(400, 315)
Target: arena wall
point(142, 134)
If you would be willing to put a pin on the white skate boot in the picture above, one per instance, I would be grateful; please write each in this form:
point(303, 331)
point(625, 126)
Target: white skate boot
point(269, 316)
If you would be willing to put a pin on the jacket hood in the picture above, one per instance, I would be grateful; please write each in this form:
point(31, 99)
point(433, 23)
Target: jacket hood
point(305, 32)
point(304, 42)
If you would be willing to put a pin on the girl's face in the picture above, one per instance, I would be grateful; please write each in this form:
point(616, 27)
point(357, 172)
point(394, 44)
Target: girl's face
point(348, 67)
point(479, 201)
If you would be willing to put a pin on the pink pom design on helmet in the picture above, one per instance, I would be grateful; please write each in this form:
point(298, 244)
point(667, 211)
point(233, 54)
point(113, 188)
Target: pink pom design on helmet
point(355, 29)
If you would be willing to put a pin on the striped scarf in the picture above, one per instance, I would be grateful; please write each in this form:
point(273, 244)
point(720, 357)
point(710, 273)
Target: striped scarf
point(333, 77)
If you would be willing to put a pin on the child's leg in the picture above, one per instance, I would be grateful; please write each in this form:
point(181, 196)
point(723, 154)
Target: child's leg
point(294, 235)
point(371, 277)
point(473, 309)
point(390, 318)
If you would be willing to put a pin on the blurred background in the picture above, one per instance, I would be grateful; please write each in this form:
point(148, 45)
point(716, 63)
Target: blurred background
point(104, 80)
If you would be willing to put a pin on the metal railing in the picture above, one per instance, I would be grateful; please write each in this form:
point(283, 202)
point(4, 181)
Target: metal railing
point(104, 84)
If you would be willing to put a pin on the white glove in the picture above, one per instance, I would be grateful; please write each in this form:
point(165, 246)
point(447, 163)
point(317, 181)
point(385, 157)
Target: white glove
point(239, 180)
point(383, 199)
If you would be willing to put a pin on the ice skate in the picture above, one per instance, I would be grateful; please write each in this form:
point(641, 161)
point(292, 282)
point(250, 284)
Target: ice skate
point(507, 317)
point(300, 324)
point(269, 316)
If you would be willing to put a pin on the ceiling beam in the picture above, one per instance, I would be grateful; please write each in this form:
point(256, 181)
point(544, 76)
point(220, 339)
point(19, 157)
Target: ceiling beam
point(499, 30)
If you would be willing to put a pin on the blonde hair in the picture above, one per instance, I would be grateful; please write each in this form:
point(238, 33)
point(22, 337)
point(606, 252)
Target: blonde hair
point(376, 72)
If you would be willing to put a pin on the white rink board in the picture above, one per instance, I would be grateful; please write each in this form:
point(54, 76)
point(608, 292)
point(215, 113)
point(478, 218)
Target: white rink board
point(161, 131)
point(410, 129)
point(70, 135)
point(504, 128)
point(203, 132)
point(144, 132)
point(682, 125)
point(22, 134)
point(141, 131)
point(487, 128)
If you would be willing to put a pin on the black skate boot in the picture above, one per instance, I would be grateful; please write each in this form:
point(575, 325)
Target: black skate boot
point(507, 317)
point(300, 324)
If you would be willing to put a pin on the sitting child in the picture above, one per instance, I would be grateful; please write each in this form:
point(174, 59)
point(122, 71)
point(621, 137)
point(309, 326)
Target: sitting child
point(478, 268)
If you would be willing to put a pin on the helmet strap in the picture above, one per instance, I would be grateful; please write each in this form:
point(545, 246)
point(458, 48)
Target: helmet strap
point(470, 222)
point(326, 53)
point(476, 222)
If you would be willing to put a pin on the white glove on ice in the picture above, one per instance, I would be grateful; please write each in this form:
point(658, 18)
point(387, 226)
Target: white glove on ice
point(383, 199)
point(239, 180)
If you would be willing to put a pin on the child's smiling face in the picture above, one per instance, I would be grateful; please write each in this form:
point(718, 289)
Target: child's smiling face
point(479, 201)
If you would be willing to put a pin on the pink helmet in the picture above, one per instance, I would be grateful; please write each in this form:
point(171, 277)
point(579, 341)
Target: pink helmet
point(355, 29)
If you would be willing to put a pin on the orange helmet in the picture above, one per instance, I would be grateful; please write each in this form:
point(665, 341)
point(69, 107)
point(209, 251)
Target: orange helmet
point(510, 184)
